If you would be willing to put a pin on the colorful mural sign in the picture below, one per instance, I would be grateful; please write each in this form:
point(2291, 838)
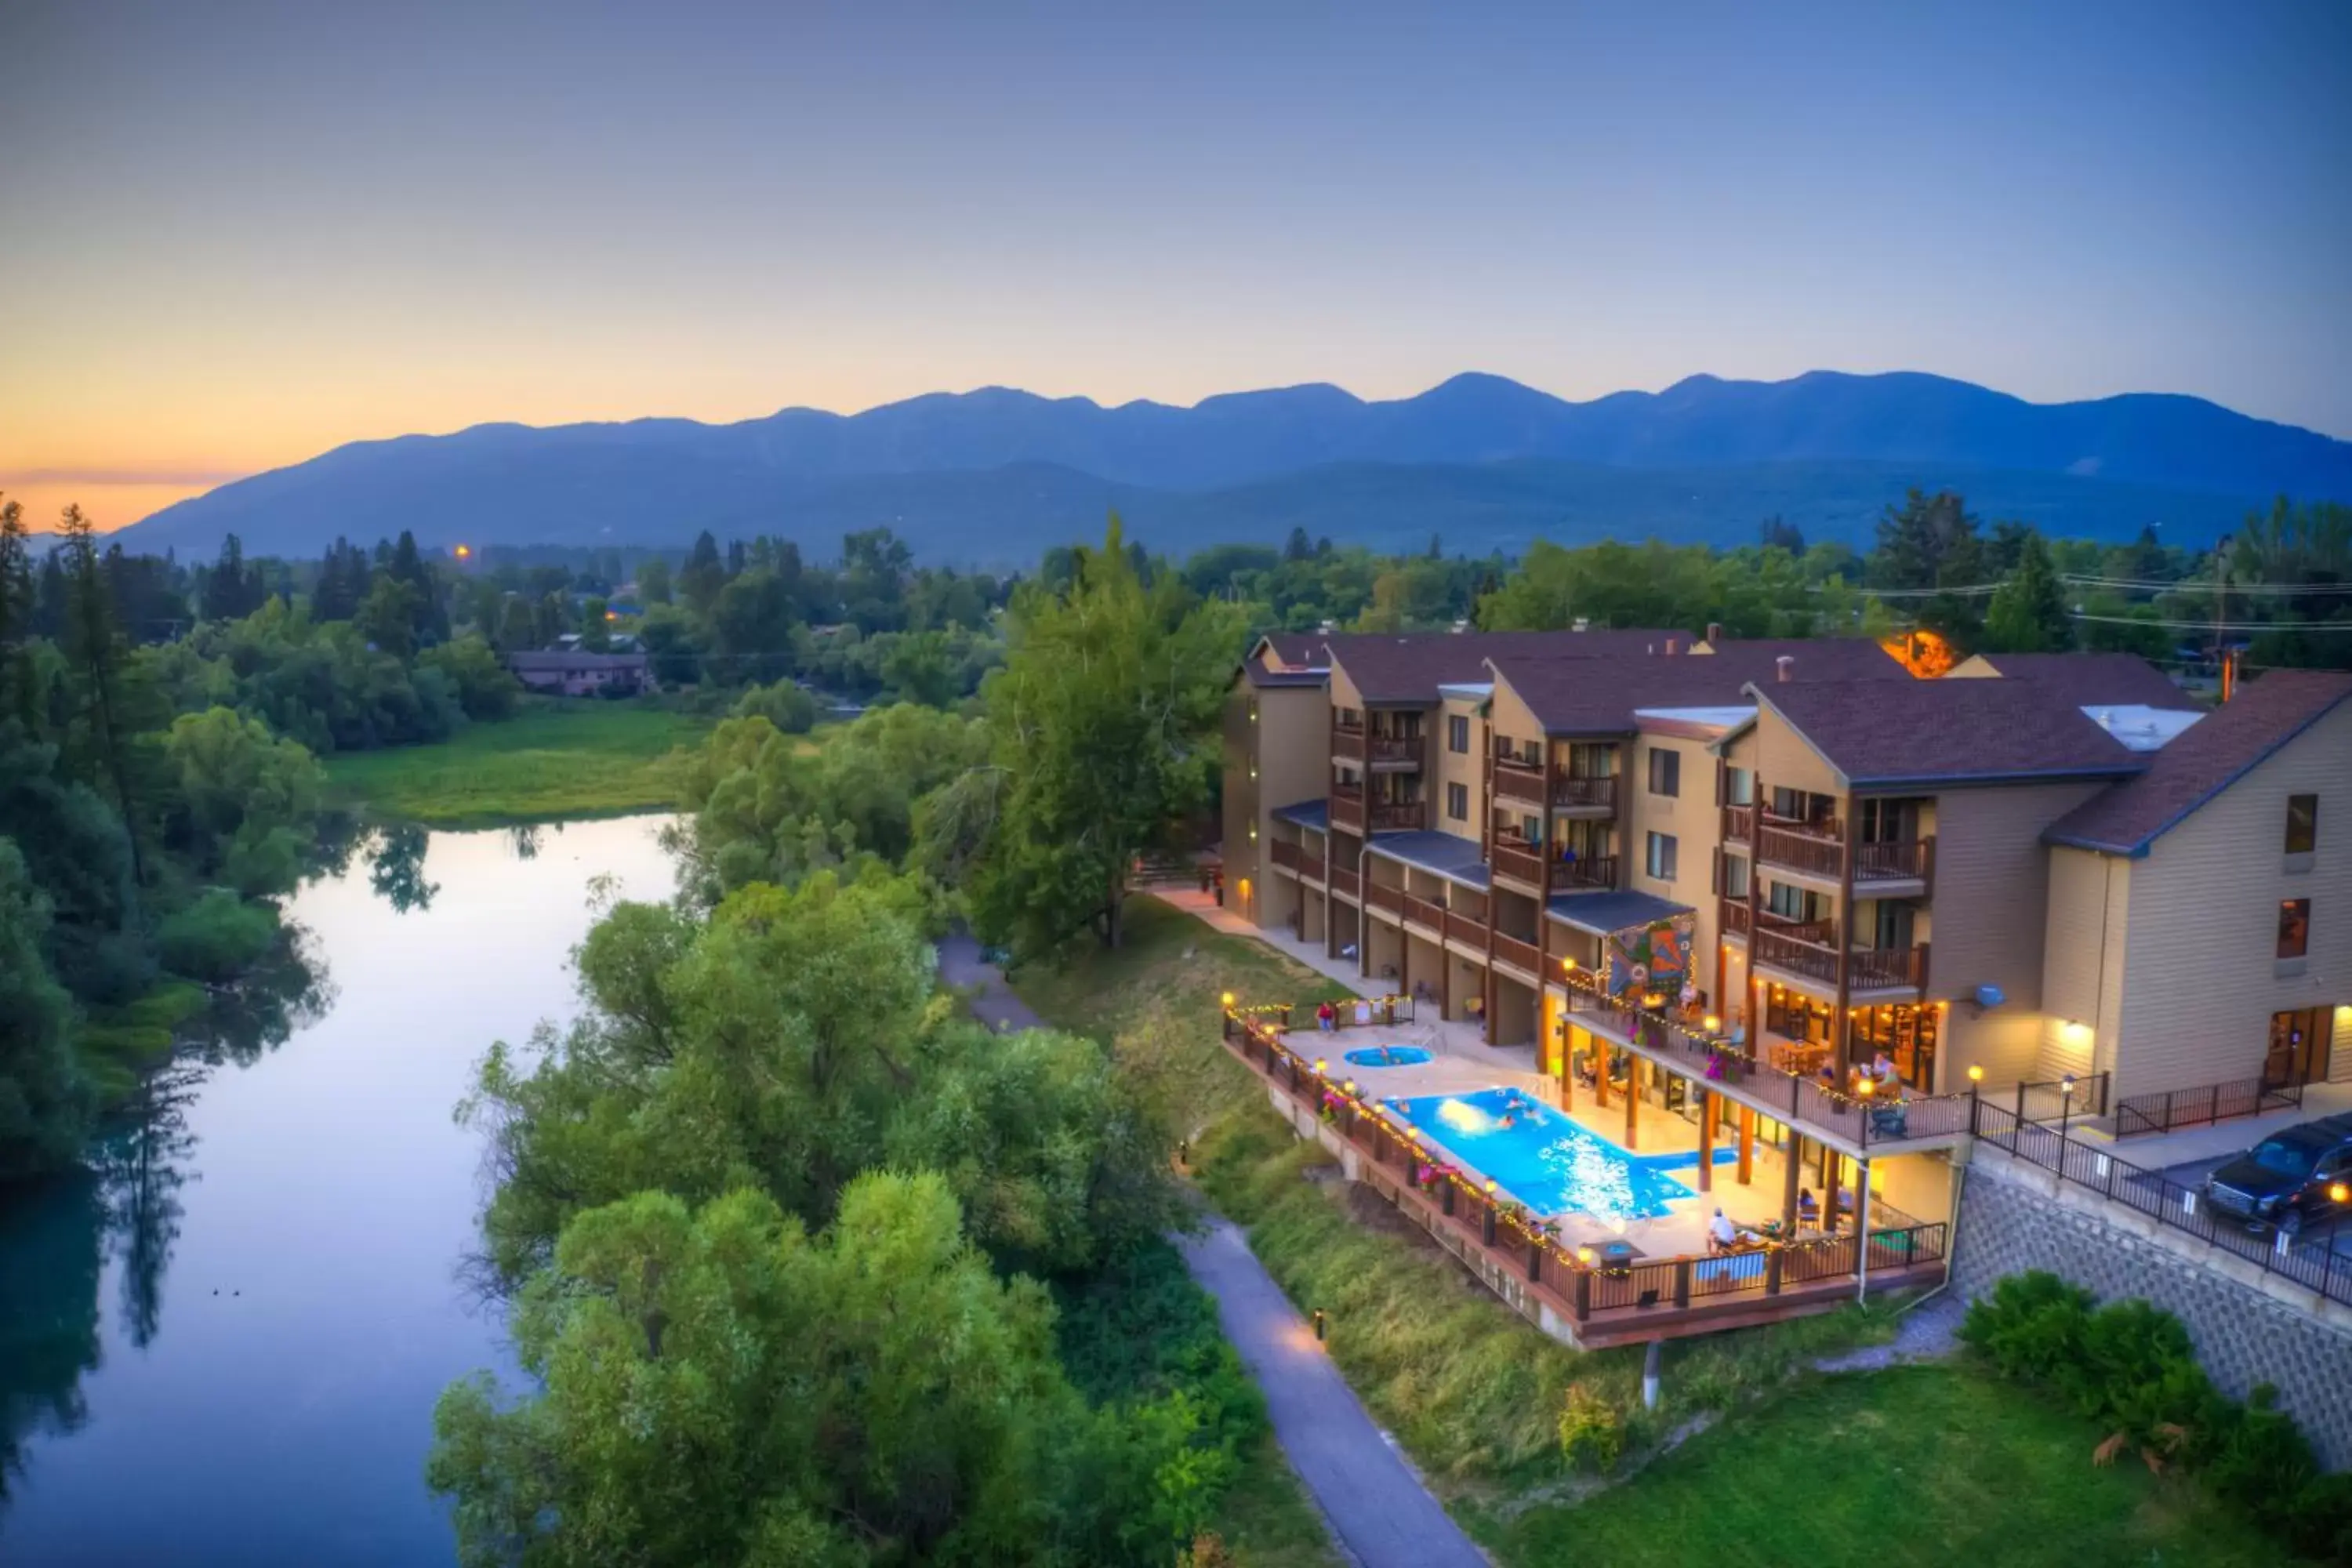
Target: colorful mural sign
point(1650, 960)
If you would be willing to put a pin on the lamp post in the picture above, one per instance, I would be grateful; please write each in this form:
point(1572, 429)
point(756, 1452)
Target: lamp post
point(2065, 1111)
point(1975, 1081)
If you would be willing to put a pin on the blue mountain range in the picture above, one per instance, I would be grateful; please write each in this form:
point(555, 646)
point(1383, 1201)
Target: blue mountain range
point(996, 475)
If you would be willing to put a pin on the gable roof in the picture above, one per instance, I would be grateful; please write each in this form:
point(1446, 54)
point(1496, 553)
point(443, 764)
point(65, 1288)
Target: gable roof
point(2093, 679)
point(1578, 698)
point(1878, 732)
point(2210, 756)
point(1409, 668)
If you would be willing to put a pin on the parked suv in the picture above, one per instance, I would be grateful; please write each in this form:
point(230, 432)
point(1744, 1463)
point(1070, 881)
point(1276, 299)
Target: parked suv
point(2289, 1179)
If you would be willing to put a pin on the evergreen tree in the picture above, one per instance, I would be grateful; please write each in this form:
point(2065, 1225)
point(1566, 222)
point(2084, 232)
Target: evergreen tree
point(95, 645)
point(1298, 547)
point(2028, 614)
point(704, 575)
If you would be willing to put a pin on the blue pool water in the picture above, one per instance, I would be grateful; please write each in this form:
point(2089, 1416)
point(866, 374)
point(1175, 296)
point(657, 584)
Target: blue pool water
point(1387, 1057)
point(1543, 1160)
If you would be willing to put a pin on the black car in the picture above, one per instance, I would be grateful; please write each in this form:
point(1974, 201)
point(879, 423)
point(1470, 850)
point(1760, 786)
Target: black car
point(2289, 1179)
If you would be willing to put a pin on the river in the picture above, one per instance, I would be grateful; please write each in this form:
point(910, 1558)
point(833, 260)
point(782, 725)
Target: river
point(223, 1344)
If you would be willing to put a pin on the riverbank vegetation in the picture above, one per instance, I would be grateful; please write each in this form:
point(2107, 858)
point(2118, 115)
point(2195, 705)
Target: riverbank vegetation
point(553, 759)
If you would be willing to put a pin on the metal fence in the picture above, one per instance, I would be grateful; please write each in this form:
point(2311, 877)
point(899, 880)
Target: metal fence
point(2174, 1203)
point(2144, 1114)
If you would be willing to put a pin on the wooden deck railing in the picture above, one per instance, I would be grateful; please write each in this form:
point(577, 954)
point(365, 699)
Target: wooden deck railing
point(1505, 859)
point(1807, 852)
point(1738, 823)
point(1643, 1298)
point(1512, 949)
point(1396, 817)
point(1514, 781)
point(1460, 927)
point(1587, 873)
point(1424, 911)
point(1577, 794)
point(1343, 880)
point(1903, 860)
point(1733, 917)
point(1396, 749)
point(1292, 858)
point(1379, 896)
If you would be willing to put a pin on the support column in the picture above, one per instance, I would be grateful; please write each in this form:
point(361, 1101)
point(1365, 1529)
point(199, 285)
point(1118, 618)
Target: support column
point(1633, 1100)
point(1841, 1021)
point(1833, 1175)
point(1706, 1103)
point(1795, 1163)
point(1747, 1167)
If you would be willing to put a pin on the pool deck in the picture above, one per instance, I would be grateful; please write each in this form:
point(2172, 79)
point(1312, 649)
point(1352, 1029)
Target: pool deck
point(1456, 1071)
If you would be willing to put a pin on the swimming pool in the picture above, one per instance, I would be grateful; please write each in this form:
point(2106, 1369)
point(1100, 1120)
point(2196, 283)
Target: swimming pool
point(1543, 1160)
point(1387, 1057)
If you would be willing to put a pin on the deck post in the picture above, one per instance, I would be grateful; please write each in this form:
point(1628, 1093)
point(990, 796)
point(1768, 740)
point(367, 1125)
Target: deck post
point(1706, 1103)
point(1796, 1154)
point(1862, 1232)
point(1486, 1223)
point(1746, 1144)
point(1832, 1169)
point(1632, 1099)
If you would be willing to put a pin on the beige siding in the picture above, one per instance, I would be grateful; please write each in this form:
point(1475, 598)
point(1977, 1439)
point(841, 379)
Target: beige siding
point(1244, 857)
point(1465, 769)
point(2082, 962)
point(1692, 818)
point(1783, 759)
point(1512, 718)
point(1976, 666)
point(1342, 692)
point(2200, 985)
point(1280, 760)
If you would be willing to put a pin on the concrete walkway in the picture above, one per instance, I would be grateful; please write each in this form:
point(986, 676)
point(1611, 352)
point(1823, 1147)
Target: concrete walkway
point(1385, 1518)
point(1384, 1515)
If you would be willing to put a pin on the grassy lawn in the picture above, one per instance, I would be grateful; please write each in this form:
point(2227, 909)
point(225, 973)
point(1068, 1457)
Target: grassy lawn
point(552, 758)
point(1932, 1463)
point(1915, 1465)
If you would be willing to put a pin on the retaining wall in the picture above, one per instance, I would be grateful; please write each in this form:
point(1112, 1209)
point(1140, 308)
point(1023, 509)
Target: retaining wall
point(2249, 1327)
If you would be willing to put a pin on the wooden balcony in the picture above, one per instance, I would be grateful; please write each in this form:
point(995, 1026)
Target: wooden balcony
point(1460, 927)
point(1903, 860)
point(1398, 816)
point(1867, 968)
point(1524, 954)
point(1586, 874)
point(1515, 782)
point(1382, 897)
point(1813, 853)
point(1343, 880)
point(1733, 917)
point(1424, 912)
point(1345, 806)
point(1598, 795)
point(1820, 933)
point(1390, 753)
point(1348, 743)
point(1738, 823)
point(1517, 861)
point(1292, 858)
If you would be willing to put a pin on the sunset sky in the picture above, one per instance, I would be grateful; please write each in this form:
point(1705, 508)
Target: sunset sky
point(234, 233)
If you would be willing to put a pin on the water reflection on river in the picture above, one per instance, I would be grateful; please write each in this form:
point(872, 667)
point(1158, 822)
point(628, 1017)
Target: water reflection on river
point(223, 1343)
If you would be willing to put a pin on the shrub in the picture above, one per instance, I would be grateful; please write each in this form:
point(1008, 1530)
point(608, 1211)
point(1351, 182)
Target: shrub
point(218, 937)
point(2031, 1328)
point(1591, 1437)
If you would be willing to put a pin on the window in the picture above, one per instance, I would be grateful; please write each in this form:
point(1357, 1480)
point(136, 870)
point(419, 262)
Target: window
point(1735, 878)
point(1665, 772)
point(1457, 734)
point(1532, 829)
point(2302, 824)
point(2295, 927)
point(1893, 927)
point(1457, 802)
point(1661, 862)
point(1738, 786)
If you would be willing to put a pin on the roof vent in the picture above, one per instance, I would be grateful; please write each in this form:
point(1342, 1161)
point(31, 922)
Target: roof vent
point(1580, 625)
point(1785, 667)
point(1715, 631)
point(1674, 646)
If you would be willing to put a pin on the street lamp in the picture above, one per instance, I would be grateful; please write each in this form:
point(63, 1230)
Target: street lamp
point(2066, 1110)
point(1976, 1079)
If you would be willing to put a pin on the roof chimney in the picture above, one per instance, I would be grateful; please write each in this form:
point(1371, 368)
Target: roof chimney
point(1785, 667)
point(1714, 632)
point(1672, 646)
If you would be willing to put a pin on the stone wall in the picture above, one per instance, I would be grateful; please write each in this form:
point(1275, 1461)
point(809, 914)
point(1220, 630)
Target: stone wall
point(2248, 1327)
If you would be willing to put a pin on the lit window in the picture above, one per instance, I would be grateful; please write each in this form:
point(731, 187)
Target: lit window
point(2302, 824)
point(2295, 927)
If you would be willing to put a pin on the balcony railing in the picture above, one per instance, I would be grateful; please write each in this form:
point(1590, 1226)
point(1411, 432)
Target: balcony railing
point(1808, 959)
point(1346, 805)
point(1395, 750)
point(1887, 968)
point(1526, 955)
point(1396, 817)
point(1903, 860)
point(1379, 896)
point(1513, 782)
point(1735, 916)
point(1348, 743)
point(1811, 853)
point(1573, 794)
point(1343, 880)
point(1820, 933)
point(1292, 858)
point(1524, 864)
point(1587, 873)
point(1424, 912)
point(1460, 927)
point(1738, 823)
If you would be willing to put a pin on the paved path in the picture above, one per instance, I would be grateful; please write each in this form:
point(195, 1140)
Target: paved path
point(1383, 1514)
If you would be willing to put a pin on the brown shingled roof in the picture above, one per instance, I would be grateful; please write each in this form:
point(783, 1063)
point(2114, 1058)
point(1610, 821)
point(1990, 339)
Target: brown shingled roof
point(2202, 760)
point(1949, 732)
point(1411, 667)
point(2094, 679)
point(1583, 698)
